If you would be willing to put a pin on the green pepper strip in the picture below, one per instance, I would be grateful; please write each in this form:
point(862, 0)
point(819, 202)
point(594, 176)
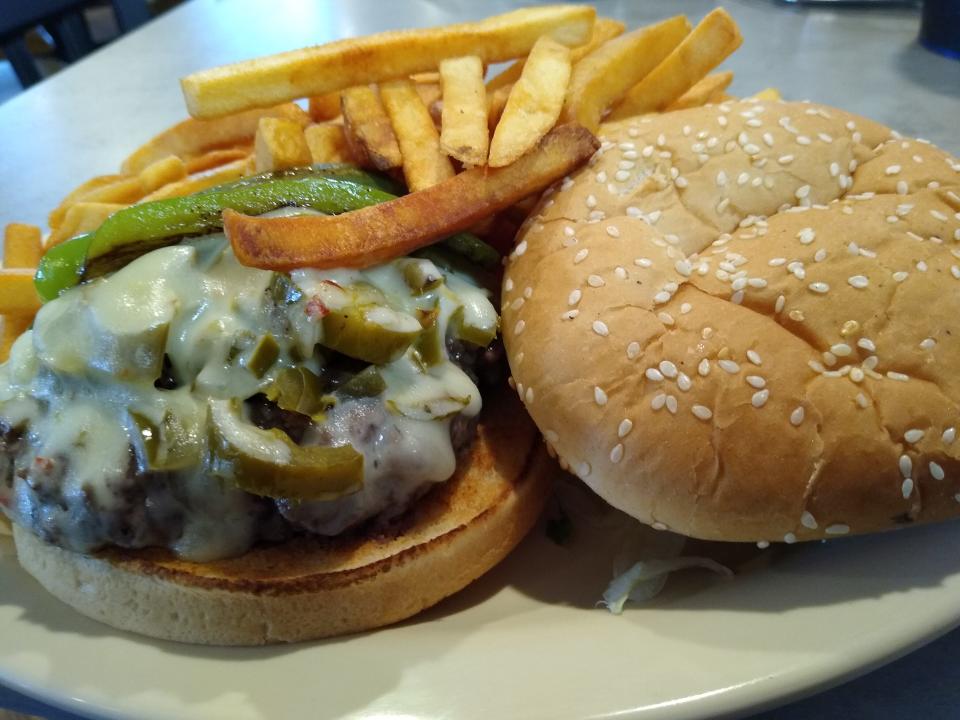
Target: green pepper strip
point(138, 229)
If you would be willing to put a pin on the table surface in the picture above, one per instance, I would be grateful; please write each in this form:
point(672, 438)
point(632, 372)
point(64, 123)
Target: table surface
point(84, 120)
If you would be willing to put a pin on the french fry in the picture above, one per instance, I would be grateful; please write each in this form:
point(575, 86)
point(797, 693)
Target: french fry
point(82, 217)
point(605, 75)
point(702, 92)
point(327, 143)
point(162, 172)
point(324, 107)
point(273, 79)
point(18, 296)
point(374, 234)
point(496, 102)
point(279, 144)
point(424, 163)
point(712, 40)
point(194, 137)
point(106, 188)
point(216, 158)
point(603, 29)
point(770, 93)
point(464, 134)
point(426, 78)
point(368, 130)
point(201, 181)
point(22, 246)
point(430, 94)
point(534, 103)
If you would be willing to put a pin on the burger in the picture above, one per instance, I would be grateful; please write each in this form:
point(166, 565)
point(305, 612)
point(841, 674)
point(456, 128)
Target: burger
point(741, 322)
point(201, 451)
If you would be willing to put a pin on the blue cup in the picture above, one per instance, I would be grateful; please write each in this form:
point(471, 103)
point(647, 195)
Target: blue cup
point(940, 27)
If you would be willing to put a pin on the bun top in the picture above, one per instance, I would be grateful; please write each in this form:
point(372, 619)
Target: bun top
point(742, 322)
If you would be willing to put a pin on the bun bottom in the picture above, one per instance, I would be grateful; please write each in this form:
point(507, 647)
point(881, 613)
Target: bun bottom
point(311, 588)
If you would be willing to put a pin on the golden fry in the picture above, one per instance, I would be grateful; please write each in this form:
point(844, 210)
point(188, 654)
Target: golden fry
point(162, 172)
point(534, 103)
point(82, 217)
point(217, 158)
point(424, 163)
point(324, 107)
point(368, 131)
point(712, 40)
point(321, 69)
point(327, 143)
point(201, 181)
point(603, 29)
point(18, 296)
point(464, 134)
point(22, 246)
point(496, 102)
point(770, 93)
point(701, 93)
point(378, 233)
point(195, 137)
point(279, 144)
point(604, 76)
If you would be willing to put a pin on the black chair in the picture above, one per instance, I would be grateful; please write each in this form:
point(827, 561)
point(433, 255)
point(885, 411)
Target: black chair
point(64, 21)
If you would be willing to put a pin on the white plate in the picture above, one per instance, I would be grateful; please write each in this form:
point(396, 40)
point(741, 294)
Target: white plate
point(524, 642)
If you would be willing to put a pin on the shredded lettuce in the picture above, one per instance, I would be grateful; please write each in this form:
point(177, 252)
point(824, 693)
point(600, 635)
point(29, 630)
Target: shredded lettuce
point(645, 579)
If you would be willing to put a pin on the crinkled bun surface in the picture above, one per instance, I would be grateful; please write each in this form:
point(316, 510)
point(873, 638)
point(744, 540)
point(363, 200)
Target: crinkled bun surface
point(742, 322)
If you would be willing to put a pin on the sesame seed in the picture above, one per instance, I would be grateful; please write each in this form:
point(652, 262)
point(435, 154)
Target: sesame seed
point(898, 376)
point(616, 455)
point(729, 366)
point(892, 170)
point(737, 297)
point(583, 470)
point(595, 281)
point(949, 435)
point(551, 435)
point(600, 328)
point(723, 205)
point(702, 412)
point(738, 284)
point(756, 381)
point(668, 369)
point(751, 149)
point(633, 350)
point(665, 317)
point(834, 169)
point(529, 395)
point(671, 404)
point(754, 357)
point(661, 139)
point(613, 231)
point(819, 287)
point(569, 314)
point(815, 366)
point(580, 256)
point(681, 182)
point(654, 374)
point(760, 398)
point(902, 187)
point(758, 283)
point(685, 308)
point(936, 471)
point(955, 271)
point(938, 215)
point(808, 520)
point(862, 400)
point(721, 178)
point(659, 400)
point(858, 281)
point(743, 178)
point(777, 262)
point(626, 425)
point(856, 374)
point(781, 301)
point(913, 435)
point(599, 396)
point(907, 488)
point(922, 266)
point(722, 121)
point(802, 192)
point(574, 297)
point(621, 176)
point(518, 328)
point(837, 529)
point(796, 417)
point(643, 262)
point(661, 297)
point(789, 538)
point(906, 465)
point(785, 159)
point(768, 139)
point(704, 367)
point(521, 248)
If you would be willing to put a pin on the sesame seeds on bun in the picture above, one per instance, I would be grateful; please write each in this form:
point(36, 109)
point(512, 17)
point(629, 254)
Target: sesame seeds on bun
point(742, 322)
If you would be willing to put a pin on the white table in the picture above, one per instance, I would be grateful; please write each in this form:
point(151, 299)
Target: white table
point(87, 118)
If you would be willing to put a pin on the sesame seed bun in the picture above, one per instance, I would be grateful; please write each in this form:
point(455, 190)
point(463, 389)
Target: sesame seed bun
point(742, 322)
point(312, 587)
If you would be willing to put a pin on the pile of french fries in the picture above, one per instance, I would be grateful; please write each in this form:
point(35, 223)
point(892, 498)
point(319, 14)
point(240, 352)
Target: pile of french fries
point(414, 104)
